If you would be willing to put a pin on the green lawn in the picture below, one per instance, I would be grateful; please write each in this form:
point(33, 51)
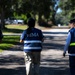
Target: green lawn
point(14, 28)
point(10, 41)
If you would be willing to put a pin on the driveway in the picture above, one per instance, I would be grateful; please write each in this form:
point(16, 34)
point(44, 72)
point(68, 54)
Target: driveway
point(52, 61)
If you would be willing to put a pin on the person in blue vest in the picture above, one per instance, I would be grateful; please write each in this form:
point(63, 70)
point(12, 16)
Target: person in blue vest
point(33, 39)
point(70, 46)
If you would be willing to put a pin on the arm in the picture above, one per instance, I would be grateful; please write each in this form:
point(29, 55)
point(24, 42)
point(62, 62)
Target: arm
point(43, 40)
point(67, 43)
point(22, 37)
point(41, 36)
point(21, 41)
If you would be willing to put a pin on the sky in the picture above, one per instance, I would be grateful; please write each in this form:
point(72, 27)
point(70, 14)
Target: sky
point(59, 10)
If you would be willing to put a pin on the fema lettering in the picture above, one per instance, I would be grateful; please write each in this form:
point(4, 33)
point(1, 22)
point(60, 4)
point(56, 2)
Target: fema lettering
point(33, 35)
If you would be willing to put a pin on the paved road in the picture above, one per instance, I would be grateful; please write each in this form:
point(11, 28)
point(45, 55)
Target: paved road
point(52, 61)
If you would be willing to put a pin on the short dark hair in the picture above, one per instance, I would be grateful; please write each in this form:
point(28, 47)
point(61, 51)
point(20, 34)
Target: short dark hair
point(31, 22)
point(72, 21)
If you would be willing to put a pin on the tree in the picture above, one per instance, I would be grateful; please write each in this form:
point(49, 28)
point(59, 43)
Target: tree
point(40, 8)
point(45, 8)
point(6, 9)
point(68, 7)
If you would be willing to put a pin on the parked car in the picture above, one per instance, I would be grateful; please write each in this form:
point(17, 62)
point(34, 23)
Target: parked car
point(14, 21)
point(18, 22)
point(7, 21)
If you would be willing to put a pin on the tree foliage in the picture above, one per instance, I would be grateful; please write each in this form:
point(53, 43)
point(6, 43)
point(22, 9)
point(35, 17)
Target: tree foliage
point(68, 11)
point(6, 9)
point(42, 8)
point(68, 7)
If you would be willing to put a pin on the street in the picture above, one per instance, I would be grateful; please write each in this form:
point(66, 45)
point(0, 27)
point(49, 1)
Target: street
point(52, 61)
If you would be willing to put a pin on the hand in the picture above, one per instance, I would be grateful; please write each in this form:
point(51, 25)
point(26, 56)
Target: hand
point(64, 53)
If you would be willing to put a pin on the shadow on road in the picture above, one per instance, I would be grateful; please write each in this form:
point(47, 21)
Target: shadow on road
point(53, 71)
point(11, 59)
point(44, 71)
point(52, 46)
point(16, 71)
point(55, 32)
point(14, 65)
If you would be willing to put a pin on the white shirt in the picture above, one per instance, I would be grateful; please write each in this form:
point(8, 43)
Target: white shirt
point(68, 43)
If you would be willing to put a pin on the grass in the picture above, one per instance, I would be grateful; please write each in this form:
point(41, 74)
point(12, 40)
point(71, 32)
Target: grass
point(14, 28)
point(8, 42)
point(21, 27)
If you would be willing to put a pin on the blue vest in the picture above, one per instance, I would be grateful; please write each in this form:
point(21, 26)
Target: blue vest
point(33, 40)
point(71, 48)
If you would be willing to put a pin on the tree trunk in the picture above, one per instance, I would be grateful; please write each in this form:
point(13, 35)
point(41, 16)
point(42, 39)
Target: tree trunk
point(2, 18)
point(53, 18)
point(39, 19)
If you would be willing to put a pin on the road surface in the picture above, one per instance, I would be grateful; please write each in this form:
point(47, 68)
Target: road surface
point(52, 61)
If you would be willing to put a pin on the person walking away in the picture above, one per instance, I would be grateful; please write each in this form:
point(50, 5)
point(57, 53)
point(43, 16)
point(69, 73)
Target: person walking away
point(70, 46)
point(32, 38)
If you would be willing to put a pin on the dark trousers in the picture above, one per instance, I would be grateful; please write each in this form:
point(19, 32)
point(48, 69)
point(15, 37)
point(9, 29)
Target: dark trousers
point(72, 64)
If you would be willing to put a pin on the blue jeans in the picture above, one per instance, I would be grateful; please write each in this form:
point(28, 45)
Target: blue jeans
point(72, 64)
